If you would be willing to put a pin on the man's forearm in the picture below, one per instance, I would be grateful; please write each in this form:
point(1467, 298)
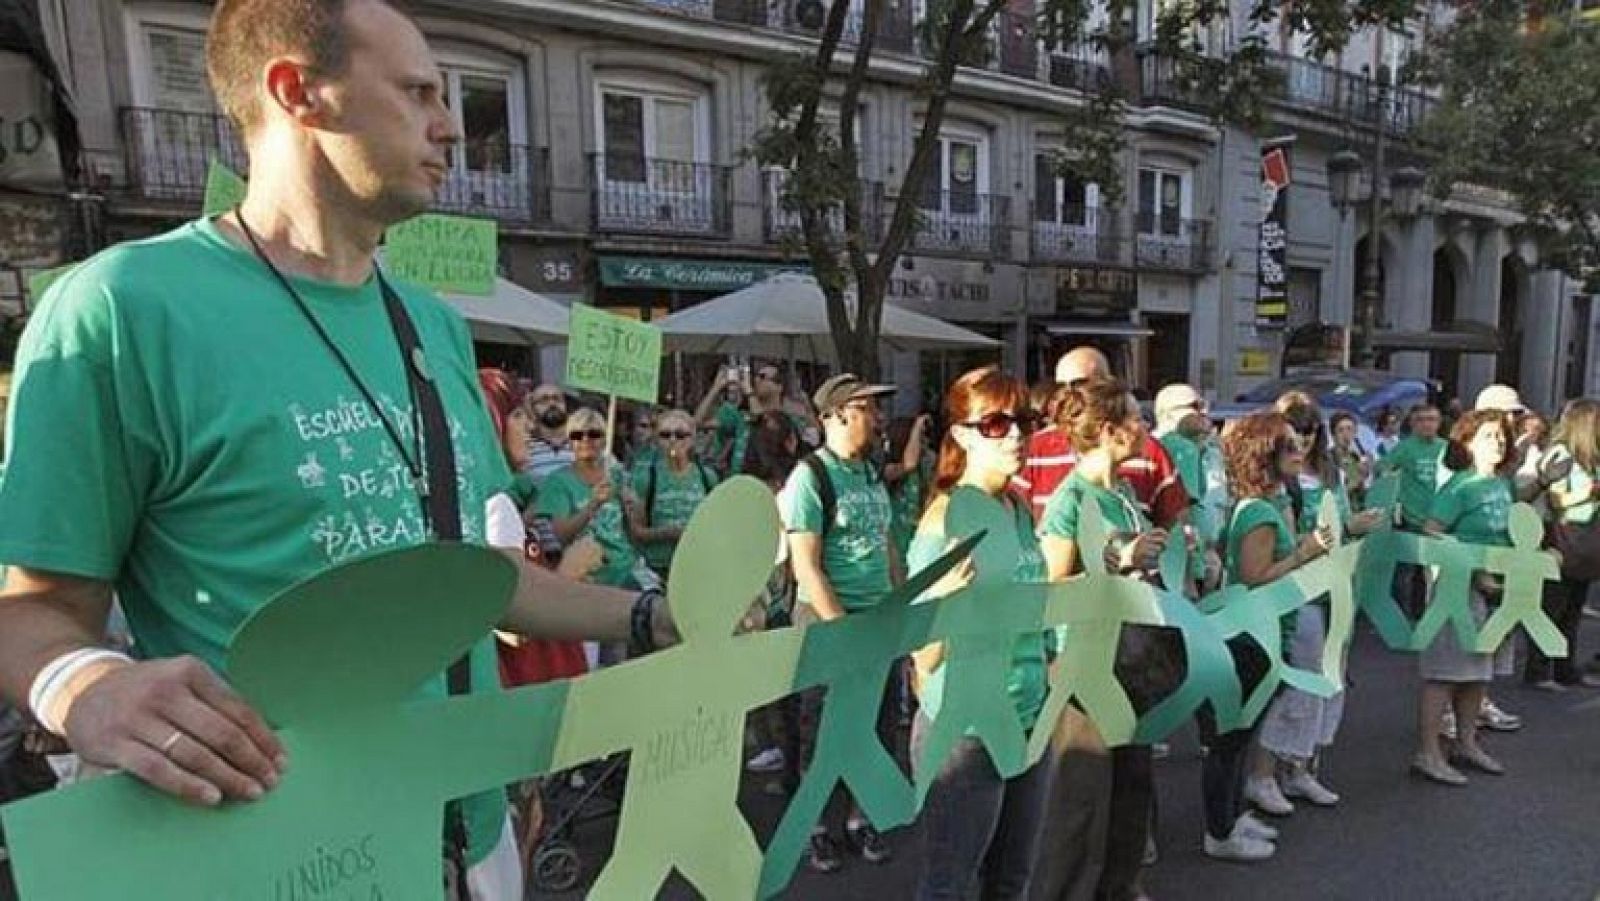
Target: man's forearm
point(547, 605)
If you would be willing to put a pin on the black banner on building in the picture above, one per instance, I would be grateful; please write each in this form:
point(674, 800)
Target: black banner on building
point(1272, 250)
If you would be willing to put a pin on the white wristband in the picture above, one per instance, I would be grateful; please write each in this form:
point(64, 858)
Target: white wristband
point(56, 675)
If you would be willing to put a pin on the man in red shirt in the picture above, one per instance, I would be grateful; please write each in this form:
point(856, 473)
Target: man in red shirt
point(1103, 801)
point(1152, 476)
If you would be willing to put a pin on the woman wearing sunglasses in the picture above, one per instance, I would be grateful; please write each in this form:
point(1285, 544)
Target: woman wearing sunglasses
point(978, 827)
point(668, 489)
point(1299, 727)
point(588, 498)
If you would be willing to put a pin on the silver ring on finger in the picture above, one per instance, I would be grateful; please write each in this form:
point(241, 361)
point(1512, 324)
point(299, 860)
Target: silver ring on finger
point(172, 741)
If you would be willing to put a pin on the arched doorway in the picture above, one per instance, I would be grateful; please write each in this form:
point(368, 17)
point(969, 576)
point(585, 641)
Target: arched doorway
point(1444, 366)
point(1513, 281)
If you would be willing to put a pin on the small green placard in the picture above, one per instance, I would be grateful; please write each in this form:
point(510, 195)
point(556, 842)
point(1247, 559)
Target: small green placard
point(40, 281)
point(224, 190)
point(613, 355)
point(450, 254)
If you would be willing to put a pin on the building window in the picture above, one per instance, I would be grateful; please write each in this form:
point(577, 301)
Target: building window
point(1163, 201)
point(652, 160)
point(960, 176)
point(1062, 199)
point(636, 126)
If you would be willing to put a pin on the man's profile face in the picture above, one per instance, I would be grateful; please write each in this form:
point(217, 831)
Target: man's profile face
point(388, 132)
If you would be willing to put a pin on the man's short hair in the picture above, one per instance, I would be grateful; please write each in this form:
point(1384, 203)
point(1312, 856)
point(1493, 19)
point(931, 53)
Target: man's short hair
point(245, 34)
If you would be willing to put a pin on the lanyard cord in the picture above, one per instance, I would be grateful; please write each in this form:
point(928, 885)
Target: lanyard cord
point(412, 458)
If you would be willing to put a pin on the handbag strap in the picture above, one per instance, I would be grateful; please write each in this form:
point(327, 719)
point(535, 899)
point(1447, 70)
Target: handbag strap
point(441, 505)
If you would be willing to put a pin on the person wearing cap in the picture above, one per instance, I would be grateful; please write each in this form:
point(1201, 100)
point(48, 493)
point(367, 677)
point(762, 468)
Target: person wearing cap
point(837, 513)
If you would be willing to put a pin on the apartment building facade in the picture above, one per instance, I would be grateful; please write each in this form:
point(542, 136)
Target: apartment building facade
point(609, 140)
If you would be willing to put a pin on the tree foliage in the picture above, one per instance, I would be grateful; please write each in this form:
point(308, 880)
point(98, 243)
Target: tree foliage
point(1216, 55)
point(1520, 111)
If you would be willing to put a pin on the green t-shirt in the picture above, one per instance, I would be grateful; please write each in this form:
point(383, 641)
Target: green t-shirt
point(1312, 488)
point(1118, 508)
point(907, 499)
point(854, 545)
point(1025, 683)
point(563, 493)
point(1419, 463)
point(178, 429)
point(733, 430)
point(1199, 466)
point(1251, 514)
point(1475, 508)
point(1579, 484)
point(676, 498)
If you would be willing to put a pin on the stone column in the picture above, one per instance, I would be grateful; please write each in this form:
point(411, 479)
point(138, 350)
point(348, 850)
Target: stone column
point(1482, 305)
point(1408, 289)
point(1545, 334)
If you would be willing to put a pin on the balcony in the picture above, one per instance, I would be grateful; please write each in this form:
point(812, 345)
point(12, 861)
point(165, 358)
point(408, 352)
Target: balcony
point(1318, 88)
point(964, 224)
point(1079, 235)
point(1174, 245)
point(1081, 66)
point(508, 182)
point(168, 152)
point(1166, 80)
point(641, 195)
point(779, 224)
point(807, 18)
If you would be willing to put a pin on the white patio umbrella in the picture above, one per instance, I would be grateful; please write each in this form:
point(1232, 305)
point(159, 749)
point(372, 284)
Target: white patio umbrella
point(786, 316)
point(512, 315)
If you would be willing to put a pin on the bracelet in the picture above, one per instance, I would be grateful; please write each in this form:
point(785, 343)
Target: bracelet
point(56, 676)
point(641, 622)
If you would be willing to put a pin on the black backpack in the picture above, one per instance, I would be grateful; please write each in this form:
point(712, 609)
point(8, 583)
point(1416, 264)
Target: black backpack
point(706, 479)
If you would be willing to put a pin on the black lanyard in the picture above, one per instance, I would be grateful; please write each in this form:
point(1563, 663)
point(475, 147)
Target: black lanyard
point(431, 461)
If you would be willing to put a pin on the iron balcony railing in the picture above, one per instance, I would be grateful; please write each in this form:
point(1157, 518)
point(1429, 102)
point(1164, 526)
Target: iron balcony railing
point(643, 195)
point(964, 223)
point(1080, 234)
point(807, 17)
point(508, 182)
point(1170, 243)
point(1175, 80)
point(1320, 88)
point(780, 223)
point(170, 151)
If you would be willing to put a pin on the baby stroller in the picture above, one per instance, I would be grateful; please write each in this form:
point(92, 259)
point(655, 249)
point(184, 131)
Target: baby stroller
point(581, 795)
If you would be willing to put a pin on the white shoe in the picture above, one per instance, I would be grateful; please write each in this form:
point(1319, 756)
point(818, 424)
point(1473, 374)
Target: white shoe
point(1249, 826)
point(768, 761)
point(1304, 785)
point(1239, 848)
point(1267, 797)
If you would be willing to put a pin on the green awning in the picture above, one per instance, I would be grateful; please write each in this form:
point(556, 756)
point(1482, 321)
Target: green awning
point(711, 276)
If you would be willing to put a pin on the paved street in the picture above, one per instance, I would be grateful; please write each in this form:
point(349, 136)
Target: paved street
point(1532, 834)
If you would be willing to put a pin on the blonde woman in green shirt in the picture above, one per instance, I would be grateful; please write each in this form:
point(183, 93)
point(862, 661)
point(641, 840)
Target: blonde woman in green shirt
point(1574, 501)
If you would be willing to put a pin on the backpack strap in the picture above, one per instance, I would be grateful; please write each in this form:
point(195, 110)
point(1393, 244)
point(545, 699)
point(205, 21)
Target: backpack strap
point(650, 492)
point(825, 491)
point(707, 481)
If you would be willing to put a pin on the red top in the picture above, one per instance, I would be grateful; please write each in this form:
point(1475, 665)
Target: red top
point(1151, 475)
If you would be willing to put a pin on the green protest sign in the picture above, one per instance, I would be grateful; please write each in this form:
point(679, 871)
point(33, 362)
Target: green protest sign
point(450, 254)
point(40, 282)
point(224, 190)
point(613, 355)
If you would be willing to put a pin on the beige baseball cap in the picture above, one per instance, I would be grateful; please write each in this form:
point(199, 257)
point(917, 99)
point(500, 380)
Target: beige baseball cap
point(1500, 397)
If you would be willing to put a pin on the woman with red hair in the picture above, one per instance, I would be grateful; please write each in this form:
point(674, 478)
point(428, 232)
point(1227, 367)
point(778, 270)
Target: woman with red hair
point(977, 826)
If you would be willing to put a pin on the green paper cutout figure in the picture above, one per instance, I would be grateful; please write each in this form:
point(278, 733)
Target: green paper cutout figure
point(1525, 567)
point(1211, 677)
point(682, 710)
point(852, 656)
point(335, 826)
point(1381, 550)
point(985, 621)
point(1089, 611)
point(1452, 563)
point(1329, 576)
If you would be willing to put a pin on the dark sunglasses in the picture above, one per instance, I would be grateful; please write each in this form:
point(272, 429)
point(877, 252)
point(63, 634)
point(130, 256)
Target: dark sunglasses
point(1307, 431)
point(998, 425)
point(674, 436)
point(589, 435)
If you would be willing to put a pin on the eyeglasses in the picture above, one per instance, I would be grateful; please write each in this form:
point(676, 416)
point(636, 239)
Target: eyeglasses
point(587, 435)
point(998, 424)
point(541, 399)
point(1307, 431)
point(674, 436)
point(767, 375)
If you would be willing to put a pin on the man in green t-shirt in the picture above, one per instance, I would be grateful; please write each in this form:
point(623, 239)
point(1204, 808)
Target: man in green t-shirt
point(837, 511)
point(205, 418)
point(1419, 459)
